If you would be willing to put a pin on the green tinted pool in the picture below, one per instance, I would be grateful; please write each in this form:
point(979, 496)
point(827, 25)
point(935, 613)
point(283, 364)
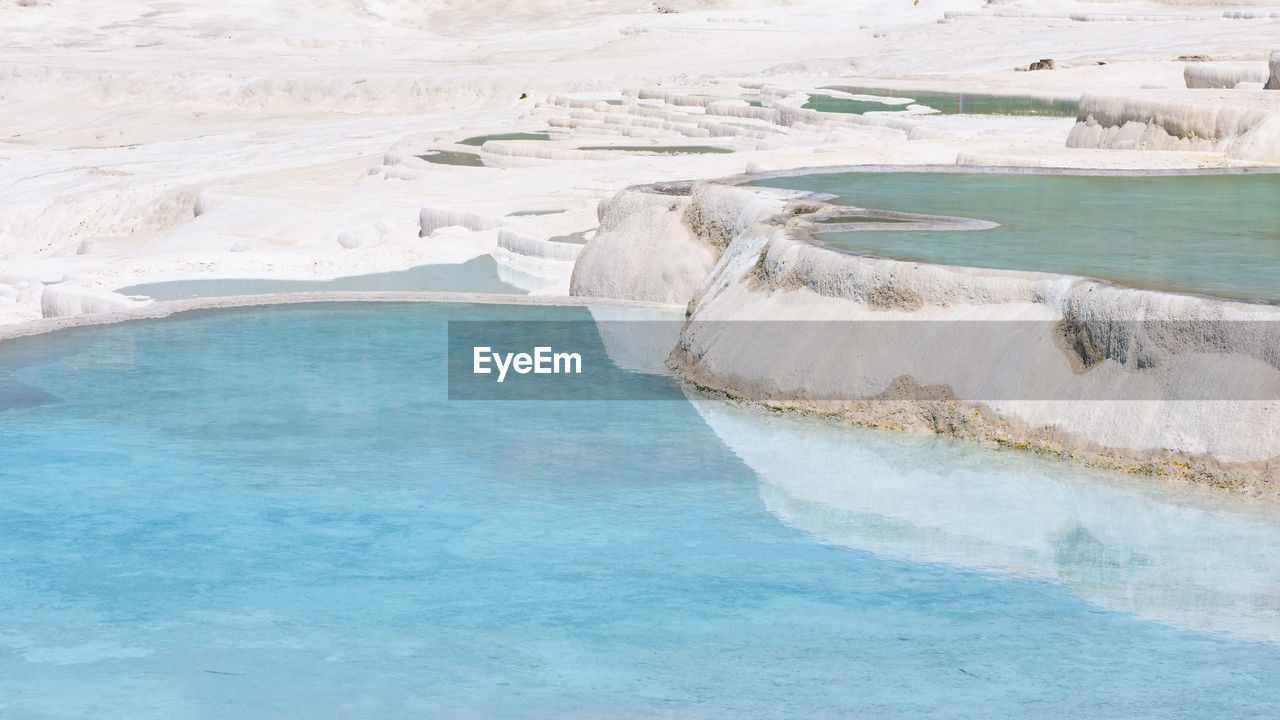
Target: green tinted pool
point(452, 157)
point(826, 103)
point(948, 103)
point(1215, 234)
point(661, 149)
point(479, 140)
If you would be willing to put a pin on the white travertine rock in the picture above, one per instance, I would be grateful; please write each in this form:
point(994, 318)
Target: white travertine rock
point(518, 244)
point(658, 243)
point(644, 250)
point(1220, 75)
point(1158, 397)
point(63, 300)
point(1171, 121)
point(432, 219)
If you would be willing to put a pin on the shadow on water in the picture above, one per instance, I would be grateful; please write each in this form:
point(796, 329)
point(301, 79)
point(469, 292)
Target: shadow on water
point(14, 394)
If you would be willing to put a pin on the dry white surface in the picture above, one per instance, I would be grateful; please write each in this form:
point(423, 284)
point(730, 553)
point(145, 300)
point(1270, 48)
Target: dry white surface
point(148, 140)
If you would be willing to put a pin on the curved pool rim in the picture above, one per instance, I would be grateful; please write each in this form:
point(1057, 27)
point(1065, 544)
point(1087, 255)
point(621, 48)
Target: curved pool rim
point(812, 231)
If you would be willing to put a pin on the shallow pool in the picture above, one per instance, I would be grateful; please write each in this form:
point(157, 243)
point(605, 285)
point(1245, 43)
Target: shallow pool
point(476, 275)
point(277, 512)
point(849, 106)
point(453, 157)
point(947, 103)
point(1217, 234)
point(663, 149)
point(479, 140)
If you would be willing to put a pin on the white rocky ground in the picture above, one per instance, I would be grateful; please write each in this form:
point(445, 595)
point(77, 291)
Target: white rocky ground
point(144, 140)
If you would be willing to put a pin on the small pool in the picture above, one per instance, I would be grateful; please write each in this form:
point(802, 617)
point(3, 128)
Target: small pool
point(947, 103)
point(661, 149)
point(482, 139)
point(577, 238)
point(479, 275)
point(453, 157)
point(535, 213)
point(1215, 234)
point(826, 103)
point(278, 512)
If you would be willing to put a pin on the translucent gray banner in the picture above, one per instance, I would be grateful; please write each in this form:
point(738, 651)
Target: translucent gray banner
point(978, 361)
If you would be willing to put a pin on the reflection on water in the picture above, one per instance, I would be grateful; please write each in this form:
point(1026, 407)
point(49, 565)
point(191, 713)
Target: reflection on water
point(1176, 556)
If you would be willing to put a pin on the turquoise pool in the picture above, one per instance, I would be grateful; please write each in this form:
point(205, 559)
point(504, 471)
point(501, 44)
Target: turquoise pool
point(277, 512)
point(1216, 234)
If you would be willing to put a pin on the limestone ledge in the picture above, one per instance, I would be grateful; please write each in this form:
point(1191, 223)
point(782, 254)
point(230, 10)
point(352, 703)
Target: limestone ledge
point(1243, 125)
point(1173, 385)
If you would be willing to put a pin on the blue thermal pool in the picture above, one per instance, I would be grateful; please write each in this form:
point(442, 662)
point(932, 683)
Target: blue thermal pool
point(1214, 234)
point(278, 512)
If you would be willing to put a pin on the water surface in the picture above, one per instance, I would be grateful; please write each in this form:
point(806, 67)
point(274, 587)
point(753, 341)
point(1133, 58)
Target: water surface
point(277, 512)
point(453, 157)
point(479, 274)
point(661, 149)
point(1216, 234)
point(948, 103)
point(826, 103)
point(482, 139)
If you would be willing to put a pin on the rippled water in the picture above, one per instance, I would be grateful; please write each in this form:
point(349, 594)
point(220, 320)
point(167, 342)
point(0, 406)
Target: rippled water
point(278, 512)
point(1217, 234)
